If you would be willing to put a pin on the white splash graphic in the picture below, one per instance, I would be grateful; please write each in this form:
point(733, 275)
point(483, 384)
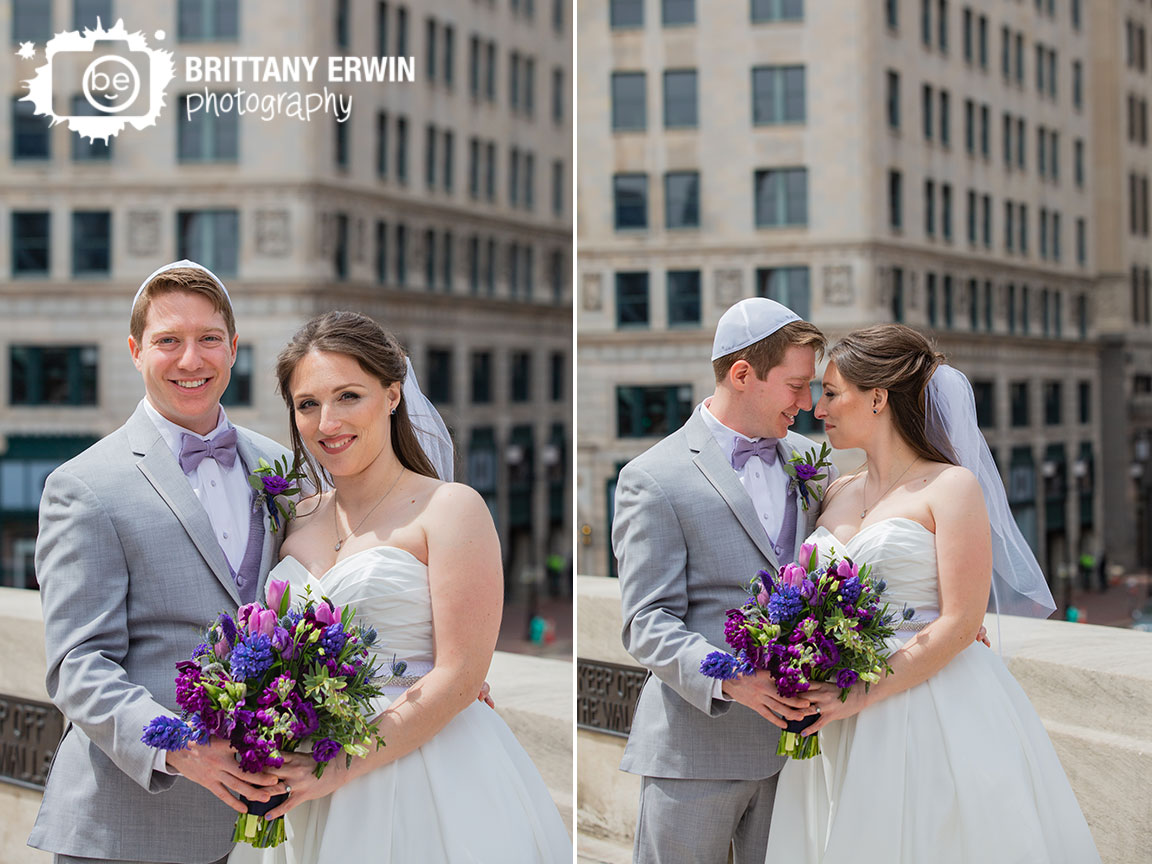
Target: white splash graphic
point(27, 51)
point(123, 84)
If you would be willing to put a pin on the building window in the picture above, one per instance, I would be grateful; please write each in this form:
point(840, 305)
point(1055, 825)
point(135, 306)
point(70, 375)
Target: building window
point(449, 148)
point(632, 299)
point(949, 303)
point(382, 144)
point(898, 294)
point(945, 123)
point(1077, 85)
point(402, 149)
point(786, 285)
point(1053, 398)
point(340, 253)
point(970, 127)
point(31, 21)
point(946, 211)
point(629, 105)
point(88, 149)
point(926, 23)
point(986, 221)
point(52, 374)
point(650, 412)
point(208, 137)
point(521, 376)
point(778, 95)
point(932, 299)
point(985, 393)
point(1023, 213)
point(683, 298)
point(781, 197)
point(557, 275)
point(1078, 162)
point(679, 98)
point(31, 243)
point(381, 252)
point(682, 199)
point(558, 96)
point(449, 54)
point(558, 188)
point(447, 252)
point(930, 208)
point(490, 171)
point(481, 377)
point(626, 14)
point(893, 99)
point(208, 20)
point(678, 12)
point(1081, 242)
point(91, 243)
point(630, 193)
point(439, 379)
point(895, 200)
point(942, 26)
point(431, 37)
point(1020, 405)
point(239, 390)
point(558, 377)
point(1084, 401)
point(401, 255)
point(985, 146)
point(31, 135)
point(777, 10)
point(430, 136)
point(972, 217)
point(926, 102)
point(210, 237)
point(892, 14)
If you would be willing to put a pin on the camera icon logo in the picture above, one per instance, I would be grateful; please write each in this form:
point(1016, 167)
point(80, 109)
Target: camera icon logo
point(101, 81)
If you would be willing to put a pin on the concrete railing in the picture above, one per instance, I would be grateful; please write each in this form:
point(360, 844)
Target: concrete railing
point(1092, 687)
point(533, 695)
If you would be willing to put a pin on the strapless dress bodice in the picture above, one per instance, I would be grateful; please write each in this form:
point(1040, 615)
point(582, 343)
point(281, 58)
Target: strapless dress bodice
point(386, 586)
point(900, 551)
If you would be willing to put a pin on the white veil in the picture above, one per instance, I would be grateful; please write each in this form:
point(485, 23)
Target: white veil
point(1018, 584)
point(428, 426)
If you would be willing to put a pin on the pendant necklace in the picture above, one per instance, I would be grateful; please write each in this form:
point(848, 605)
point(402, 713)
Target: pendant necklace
point(340, 541)
point(864, 512)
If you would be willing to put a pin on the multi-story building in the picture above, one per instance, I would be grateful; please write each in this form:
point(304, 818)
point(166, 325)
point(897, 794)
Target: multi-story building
point(1121, 89)
point(439, 206)
point(921, 161)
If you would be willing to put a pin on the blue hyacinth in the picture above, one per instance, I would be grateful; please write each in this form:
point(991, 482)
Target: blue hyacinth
point(850, 590)
point(726, 666)
point(785, 604)
point(333, 639)
point(252, 657)
point(168, 733)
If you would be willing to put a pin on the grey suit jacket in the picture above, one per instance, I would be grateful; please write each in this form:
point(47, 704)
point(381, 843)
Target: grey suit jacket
point(130, 575)
point(688, 542)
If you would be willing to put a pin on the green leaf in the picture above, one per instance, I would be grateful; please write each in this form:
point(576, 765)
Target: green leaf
point(255, 482)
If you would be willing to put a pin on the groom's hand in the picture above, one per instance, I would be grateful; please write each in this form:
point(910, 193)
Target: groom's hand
point(214, 767)
point(759, 693)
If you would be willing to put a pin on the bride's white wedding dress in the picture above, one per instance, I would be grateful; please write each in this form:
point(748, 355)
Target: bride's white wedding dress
point(956, 769)
point(471, 794)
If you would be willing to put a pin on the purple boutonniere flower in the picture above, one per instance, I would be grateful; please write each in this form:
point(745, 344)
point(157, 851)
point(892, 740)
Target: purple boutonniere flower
point(806, 471)
point(275, 485)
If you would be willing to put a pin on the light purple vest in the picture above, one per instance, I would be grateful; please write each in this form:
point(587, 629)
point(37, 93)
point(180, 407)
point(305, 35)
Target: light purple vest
point(248, 576)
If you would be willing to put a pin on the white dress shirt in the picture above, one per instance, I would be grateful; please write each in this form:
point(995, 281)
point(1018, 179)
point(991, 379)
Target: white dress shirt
point(224, 493)
point(764, 485)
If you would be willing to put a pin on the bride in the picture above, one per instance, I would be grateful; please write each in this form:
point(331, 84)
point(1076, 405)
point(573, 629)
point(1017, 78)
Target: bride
point(943, 760)
point(419, 560)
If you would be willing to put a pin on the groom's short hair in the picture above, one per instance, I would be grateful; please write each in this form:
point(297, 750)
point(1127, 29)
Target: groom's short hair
point(189, 280)
point(769, 351)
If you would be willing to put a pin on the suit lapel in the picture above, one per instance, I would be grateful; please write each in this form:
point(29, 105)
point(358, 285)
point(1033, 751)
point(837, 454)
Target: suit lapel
point(250, 456)
point(714, 465)
point(162, 470)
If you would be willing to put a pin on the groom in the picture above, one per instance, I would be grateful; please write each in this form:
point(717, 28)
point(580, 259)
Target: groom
point(696, 517)
point(144, 539)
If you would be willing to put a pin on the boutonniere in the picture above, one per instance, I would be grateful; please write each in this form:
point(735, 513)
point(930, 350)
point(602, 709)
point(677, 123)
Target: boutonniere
point(805, 468)
point(274, 486)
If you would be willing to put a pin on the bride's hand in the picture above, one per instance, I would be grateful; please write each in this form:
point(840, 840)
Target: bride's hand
point(296, 775)
point(826, 698)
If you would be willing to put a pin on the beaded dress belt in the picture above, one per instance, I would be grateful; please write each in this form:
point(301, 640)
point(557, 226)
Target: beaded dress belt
point(402, 680)
point(914, 625)
point(414, 670)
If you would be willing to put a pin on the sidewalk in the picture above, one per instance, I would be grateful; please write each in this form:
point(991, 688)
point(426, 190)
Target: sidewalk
point(557, 611)
point(1111, 608)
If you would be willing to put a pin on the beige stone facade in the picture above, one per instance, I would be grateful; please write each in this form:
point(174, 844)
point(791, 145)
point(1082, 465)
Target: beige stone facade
point(311, 203)
point(1006, 302)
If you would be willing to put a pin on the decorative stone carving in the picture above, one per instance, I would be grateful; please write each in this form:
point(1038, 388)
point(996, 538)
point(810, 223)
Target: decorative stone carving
point(729, 287)
point(272, 232)
point(838, 287)
point(592, 290)
point(143, 233)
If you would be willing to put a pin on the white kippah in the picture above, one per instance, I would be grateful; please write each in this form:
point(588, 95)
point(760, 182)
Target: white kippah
point(183, 262)
point(748, 322)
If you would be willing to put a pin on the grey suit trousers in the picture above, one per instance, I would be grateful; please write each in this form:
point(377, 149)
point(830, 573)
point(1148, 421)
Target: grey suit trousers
point(698, 821)
point(71, 859)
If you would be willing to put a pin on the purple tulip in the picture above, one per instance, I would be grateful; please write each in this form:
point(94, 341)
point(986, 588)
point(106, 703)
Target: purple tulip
point(278, 595)
point(792, 576)
point(222, 648)
point(809, 557)
point(244, 614)
point(846, 569)
point(281, 640)
point(324, 614)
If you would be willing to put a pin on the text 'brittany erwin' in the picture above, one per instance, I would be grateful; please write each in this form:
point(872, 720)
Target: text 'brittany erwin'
point(298, 70)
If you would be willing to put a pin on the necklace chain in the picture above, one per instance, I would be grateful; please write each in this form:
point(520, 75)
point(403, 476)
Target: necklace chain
point(340, 541)
point(864, 512)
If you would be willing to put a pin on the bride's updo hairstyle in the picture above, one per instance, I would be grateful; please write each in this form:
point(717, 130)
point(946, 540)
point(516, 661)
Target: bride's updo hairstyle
point(898, 359)
point(378, 353)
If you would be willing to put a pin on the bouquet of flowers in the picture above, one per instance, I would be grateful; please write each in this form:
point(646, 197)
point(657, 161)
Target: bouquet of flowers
point(808, 623)
point(271, 680)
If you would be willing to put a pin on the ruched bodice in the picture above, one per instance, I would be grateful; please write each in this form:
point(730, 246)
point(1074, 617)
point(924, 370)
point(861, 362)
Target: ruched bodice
point(388, 588)
point(902, 552)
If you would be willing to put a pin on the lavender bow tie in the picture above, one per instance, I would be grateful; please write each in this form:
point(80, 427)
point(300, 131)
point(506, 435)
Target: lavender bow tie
point(743, 450)
point(194, 450)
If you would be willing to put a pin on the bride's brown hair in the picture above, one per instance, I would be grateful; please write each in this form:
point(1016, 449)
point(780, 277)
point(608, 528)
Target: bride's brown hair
point(898, 359)
point(378, 353)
